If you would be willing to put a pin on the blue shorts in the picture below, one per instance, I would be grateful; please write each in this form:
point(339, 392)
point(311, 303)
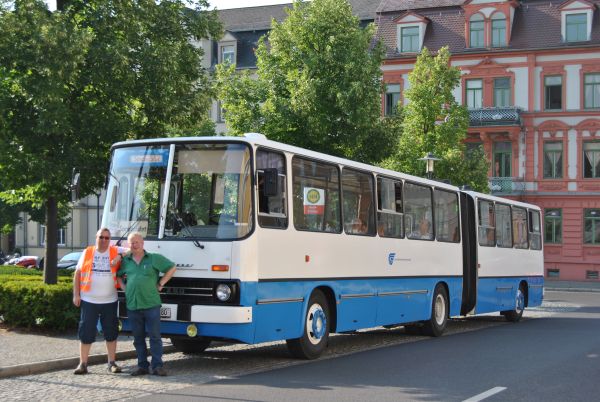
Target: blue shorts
point(90, 313)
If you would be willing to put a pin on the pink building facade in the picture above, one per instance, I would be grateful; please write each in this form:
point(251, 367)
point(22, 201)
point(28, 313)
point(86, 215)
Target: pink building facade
point(531, 80)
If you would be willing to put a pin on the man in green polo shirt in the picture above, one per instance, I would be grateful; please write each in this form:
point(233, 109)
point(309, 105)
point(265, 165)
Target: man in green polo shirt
point(142, 289)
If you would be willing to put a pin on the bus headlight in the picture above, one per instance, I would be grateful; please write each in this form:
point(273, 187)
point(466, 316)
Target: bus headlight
point(223, 292)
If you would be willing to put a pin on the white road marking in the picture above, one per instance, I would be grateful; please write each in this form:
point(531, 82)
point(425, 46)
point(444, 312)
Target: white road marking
point(485, 394)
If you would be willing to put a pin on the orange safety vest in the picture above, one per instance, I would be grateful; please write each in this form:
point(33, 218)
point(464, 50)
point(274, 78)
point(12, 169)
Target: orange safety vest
point(86, 268)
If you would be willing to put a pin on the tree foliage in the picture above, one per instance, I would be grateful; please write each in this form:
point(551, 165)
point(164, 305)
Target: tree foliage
point(75, 81)
point(317, 84)
point(434, 122)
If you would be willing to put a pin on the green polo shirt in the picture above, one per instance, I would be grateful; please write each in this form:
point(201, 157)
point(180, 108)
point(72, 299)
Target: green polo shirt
point(141, 292)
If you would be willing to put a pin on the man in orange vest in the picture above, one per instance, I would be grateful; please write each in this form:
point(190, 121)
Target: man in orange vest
point(95, 292)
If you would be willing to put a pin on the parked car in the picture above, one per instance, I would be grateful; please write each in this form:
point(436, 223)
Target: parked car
point(28, 261)
point(69, 261)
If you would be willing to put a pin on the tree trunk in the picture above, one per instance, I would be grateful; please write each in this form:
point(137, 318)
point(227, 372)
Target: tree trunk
point(51, 255)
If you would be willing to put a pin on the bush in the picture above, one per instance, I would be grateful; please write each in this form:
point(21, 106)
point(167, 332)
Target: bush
point(25, 301)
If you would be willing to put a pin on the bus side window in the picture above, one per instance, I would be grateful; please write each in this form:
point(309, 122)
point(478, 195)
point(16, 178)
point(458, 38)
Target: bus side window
point(316, 196)
point(272, 209)
point(486, 223)
point(519, 226)
point(504, 236)
point(446, 216)
point(535, 230)
point(389, 208)
point(357, 190)
point(418, 204)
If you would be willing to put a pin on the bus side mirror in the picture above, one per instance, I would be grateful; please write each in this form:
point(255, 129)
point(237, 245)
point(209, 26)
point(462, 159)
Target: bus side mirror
point(270, 184)
point(75, 185)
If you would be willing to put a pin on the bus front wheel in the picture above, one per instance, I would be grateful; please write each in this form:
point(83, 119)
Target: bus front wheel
point(436, 325)
point(189, 346)
point(315, 333)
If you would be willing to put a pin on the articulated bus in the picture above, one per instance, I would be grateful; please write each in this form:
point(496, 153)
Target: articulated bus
point(274, 242)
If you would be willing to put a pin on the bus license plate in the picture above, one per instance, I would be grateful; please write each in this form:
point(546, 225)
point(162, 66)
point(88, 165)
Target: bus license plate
point(168, 312)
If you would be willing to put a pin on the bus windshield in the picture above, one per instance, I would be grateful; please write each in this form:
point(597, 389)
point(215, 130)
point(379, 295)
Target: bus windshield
point(209, 194)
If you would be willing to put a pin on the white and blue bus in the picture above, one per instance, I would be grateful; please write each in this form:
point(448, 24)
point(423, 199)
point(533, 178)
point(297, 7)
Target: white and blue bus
point(275, 242)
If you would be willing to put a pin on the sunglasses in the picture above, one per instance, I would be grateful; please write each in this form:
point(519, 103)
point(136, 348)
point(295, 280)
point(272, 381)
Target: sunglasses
point(104, 237)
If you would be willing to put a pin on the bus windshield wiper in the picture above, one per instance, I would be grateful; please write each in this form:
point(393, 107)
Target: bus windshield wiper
point(187, 229)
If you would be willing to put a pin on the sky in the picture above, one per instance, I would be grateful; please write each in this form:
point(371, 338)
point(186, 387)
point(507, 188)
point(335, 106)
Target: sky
point(220, 4)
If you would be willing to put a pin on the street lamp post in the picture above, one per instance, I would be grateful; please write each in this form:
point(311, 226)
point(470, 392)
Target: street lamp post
point(429, 162)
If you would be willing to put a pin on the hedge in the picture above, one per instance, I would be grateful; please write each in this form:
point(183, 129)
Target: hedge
point(25, 301)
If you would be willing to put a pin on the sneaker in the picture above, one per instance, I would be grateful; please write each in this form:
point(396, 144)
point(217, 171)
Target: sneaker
point(140, 371)
point(113, 368)
point(160, 371)
point(81, 369)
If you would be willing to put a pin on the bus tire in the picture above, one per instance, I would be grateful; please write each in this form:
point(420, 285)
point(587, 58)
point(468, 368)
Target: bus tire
point(315, 334)
point(190, 346)
point(516, 314)
point(436, 325)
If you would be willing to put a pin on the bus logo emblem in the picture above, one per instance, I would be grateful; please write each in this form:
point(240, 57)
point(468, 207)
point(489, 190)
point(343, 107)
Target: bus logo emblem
point(391, 258)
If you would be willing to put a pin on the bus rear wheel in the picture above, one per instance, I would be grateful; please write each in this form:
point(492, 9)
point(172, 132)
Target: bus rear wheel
point(436, 325)
point(516, 314)
point(190, 346)
point(315, 334)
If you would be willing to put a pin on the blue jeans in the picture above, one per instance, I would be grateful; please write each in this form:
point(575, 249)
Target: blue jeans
point(142, 321)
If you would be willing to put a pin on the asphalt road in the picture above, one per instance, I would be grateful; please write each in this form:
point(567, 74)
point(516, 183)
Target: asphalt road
point(550, 358)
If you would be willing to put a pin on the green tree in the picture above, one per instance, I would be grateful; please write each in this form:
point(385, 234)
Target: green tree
point(75, 81)
point(434, 122)
point(317, 84)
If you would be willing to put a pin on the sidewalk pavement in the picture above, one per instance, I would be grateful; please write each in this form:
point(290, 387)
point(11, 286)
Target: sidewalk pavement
point(25, 353)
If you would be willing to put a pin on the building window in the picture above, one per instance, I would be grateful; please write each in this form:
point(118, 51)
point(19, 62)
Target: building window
point(502, 92)
point(553, 160)
point(228, 54)
point(392, 97)
point(474, 94)
point(591, 159)
point(409, 39)
point(553, 226)
point(591, 226)
point(498, 30)
point(591, 274)
point(476, 31)
point(553, 273)
point(592, 91)
point(553, 92)
point(61, 236)
point(576, 29)
point(502, 159)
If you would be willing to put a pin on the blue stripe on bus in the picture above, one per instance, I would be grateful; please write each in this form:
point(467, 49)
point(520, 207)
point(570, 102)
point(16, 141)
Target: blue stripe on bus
point(279, 307)
point(498, 294)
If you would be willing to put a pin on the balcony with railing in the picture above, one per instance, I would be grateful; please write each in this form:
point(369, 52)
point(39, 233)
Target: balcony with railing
point(506, 185)
point(495, 116)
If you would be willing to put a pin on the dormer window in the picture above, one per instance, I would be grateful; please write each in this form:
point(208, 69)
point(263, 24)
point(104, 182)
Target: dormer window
point(476, 31)
point(576, 27)
point(498, 30)
point(410, 39)
point(576, 20)
point(410, 32)
point(227, 49)
point(228, 54)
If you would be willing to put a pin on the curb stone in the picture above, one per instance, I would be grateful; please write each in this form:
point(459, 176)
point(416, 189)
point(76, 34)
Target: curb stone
point(63, 364)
